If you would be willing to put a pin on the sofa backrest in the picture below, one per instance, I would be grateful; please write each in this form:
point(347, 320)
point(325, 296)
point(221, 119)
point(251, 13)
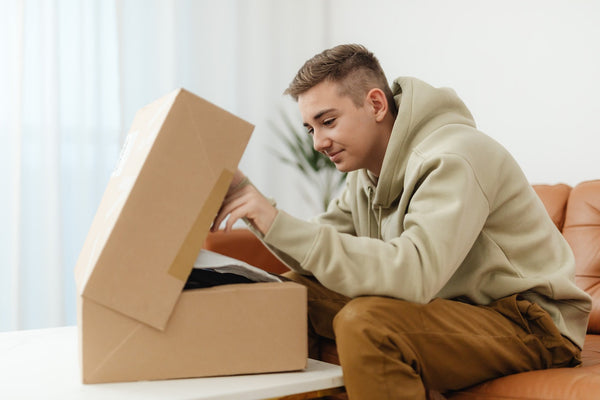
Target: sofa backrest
point(576, 212)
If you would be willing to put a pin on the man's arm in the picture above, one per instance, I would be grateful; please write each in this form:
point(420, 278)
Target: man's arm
point(444, 218)
point(244, 201)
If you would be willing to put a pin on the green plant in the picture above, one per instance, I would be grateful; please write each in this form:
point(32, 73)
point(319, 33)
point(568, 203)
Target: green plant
point(313, 165)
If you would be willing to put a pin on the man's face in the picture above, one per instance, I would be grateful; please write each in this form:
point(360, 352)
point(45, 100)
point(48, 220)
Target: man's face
point(347, 134)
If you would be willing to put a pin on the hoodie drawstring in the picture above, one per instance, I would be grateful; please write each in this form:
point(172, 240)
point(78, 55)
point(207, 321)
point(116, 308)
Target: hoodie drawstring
point(369, 205)
point(369, 196)
point(379, 223)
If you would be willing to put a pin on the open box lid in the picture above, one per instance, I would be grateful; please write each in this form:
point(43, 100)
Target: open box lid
point(174, 170)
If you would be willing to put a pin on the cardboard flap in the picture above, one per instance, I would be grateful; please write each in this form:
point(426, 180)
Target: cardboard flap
point(174, 171)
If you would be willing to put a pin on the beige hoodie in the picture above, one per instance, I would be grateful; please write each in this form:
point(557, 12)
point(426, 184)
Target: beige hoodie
point(452, 215)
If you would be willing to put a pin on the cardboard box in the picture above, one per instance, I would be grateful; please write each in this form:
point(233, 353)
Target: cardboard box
point(134, 321)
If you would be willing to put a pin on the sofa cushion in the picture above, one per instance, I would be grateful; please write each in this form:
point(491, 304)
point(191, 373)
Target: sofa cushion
point(581, 383)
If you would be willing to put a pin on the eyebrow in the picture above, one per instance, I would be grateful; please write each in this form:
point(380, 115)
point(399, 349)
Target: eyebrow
point(320, 114)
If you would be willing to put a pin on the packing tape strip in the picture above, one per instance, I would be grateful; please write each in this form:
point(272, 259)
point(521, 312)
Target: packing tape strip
point(184, 261)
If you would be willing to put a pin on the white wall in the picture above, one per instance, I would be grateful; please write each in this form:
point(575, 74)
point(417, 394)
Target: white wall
point(528, 70)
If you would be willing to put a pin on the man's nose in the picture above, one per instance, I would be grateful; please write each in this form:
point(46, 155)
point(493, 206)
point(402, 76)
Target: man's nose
point(320, 141)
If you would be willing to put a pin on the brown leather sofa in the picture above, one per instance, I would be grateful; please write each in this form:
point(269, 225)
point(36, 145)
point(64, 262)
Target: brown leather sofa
point(576, 213)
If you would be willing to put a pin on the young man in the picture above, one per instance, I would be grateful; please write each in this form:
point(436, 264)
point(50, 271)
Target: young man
point(438, 266)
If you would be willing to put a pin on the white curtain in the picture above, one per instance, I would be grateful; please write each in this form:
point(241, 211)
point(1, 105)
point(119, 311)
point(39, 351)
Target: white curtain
point(59, 86)
point(72, 75)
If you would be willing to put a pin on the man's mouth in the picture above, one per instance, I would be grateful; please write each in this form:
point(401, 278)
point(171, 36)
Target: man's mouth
point(335, 156)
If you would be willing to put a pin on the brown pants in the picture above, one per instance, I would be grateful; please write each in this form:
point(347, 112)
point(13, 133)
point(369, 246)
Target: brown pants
point(394, 349)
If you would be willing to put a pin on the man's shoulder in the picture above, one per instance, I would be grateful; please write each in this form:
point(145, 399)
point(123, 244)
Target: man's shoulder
point(459, 140)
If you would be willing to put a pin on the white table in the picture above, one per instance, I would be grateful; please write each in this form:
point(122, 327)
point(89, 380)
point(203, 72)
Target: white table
point(43, 364)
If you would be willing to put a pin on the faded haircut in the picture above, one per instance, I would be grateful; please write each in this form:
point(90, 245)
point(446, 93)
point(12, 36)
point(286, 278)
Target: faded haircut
point(354, 68)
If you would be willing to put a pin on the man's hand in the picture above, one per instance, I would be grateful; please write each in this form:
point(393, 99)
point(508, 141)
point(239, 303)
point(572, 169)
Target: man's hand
point(245, 201)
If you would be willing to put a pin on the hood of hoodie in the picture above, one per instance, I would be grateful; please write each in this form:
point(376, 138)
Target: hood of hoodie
point(422, 110)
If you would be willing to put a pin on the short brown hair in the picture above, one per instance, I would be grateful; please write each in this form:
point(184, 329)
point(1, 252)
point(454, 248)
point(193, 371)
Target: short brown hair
point(354, 67)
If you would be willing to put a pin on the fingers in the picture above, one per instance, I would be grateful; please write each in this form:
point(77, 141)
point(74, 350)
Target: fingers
point(246, 203)
point(236, 195)
point(228, 206)
point(231, 202)
point(234, 216)
point(225, 208)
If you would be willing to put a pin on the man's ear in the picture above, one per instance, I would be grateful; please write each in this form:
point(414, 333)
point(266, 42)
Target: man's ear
point(378, 102)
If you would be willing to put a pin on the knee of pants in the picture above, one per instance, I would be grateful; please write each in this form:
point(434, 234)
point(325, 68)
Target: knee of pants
point(359, 316)
point(369, 314)
point(351, 330)
point(368, 328)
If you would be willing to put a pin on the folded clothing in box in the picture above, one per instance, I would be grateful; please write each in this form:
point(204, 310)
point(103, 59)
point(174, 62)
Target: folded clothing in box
point(213, 269)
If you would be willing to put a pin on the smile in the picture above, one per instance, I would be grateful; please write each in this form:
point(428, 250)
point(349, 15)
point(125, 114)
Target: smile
point(335, 157)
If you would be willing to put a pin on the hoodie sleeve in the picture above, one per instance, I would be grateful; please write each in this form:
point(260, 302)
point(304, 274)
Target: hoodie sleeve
point(338, 216)
point(445, 215)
